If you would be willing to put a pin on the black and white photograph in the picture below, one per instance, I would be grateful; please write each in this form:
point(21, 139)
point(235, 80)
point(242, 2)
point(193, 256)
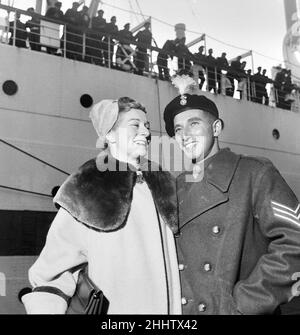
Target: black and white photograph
point(150, 160)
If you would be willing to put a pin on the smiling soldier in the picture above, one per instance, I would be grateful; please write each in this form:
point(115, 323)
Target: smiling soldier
point(239, 238)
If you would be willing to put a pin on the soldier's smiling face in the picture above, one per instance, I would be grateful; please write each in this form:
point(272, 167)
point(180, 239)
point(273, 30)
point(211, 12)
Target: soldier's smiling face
point(195, 133)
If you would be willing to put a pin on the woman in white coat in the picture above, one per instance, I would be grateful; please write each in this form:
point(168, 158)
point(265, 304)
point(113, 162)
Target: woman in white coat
point(119, 216)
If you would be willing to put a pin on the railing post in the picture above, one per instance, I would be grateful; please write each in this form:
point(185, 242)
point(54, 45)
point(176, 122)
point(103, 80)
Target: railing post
point(207, 78)
point(276, 95)
point(216, 80)
point(83, 45)
point(252, 61)
point(296, 102)
point(253, 93)
point(222, 83)
point(244, 91)
point(109, 42)
point(248, 89)
point(151, 64)
point(7, 29)
point(15, 29)
point(65, 40)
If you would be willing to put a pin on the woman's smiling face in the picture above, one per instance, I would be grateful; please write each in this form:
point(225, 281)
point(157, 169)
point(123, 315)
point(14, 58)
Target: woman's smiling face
point(129, 137)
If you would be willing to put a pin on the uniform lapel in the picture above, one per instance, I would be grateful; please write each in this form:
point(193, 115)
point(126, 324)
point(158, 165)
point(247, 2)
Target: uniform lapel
point(201, 197)
point(197, 198)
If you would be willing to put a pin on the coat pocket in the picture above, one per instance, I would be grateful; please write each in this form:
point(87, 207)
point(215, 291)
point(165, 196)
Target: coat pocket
point(224, 301)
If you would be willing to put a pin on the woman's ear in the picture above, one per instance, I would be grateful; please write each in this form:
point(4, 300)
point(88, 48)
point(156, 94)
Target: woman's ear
point(110, 137)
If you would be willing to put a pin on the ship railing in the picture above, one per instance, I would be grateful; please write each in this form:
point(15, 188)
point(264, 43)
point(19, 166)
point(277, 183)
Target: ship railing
point(80, 43)
point(100, 48)
point(240, 85)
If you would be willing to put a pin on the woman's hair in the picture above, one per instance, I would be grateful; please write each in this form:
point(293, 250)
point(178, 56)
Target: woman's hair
point(126, 103)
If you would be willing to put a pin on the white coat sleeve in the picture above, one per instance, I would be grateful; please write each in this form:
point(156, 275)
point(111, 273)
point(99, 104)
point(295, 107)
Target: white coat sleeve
point(52, 282)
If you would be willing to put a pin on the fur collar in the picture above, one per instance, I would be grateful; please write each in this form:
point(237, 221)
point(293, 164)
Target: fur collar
point(101, 199)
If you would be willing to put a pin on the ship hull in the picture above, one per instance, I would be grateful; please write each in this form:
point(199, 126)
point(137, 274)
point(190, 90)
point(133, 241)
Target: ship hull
point(45, 119)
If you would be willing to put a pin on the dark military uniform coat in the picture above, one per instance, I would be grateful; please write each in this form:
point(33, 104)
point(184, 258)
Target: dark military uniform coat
point(239, 238)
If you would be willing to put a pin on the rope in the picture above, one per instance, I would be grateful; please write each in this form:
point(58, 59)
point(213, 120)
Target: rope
point(227, 44)
point(136, 16)
point(116, 7)
point(34, 157)
point(25, 191)
point(139, 8)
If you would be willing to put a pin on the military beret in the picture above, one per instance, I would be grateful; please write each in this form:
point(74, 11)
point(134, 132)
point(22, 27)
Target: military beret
point(185, 102)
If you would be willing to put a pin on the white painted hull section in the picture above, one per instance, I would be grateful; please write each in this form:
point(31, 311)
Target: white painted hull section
point(45, 118)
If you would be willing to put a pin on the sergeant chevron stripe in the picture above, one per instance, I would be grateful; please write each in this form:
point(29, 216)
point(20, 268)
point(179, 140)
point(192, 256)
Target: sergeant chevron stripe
point(286, 213)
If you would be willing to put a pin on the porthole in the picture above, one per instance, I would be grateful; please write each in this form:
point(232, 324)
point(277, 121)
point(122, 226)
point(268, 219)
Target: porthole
point(86, 100)
point(276, 134)
point(10, 87)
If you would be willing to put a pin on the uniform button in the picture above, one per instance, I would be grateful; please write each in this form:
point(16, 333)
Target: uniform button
point(177, 234)
point(216, 229)
point(181, 267)
point(184, 301)
point(202, 307)
point(207, 267)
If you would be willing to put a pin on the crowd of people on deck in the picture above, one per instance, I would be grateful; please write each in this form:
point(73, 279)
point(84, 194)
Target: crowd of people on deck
point(86, 39)
point(93, 39)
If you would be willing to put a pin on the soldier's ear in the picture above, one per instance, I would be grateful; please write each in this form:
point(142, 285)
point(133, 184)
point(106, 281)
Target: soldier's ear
point(217, 127)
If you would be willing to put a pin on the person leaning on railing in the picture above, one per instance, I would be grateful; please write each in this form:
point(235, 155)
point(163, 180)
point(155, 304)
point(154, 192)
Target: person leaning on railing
point(162, 59)
point(18, 32)
point(241, 77)
point(266, 81)
point(143, 39)
point(73, 37)
point(83, 23)
point(111, 29)
point(55, 13)
point(288, 88)
point(183, 54)
point(34, 25)
point(124, 51)
point(221, 64)
point(211, 71)
point(199, 59)
point(233, 70)
point(94, 44)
